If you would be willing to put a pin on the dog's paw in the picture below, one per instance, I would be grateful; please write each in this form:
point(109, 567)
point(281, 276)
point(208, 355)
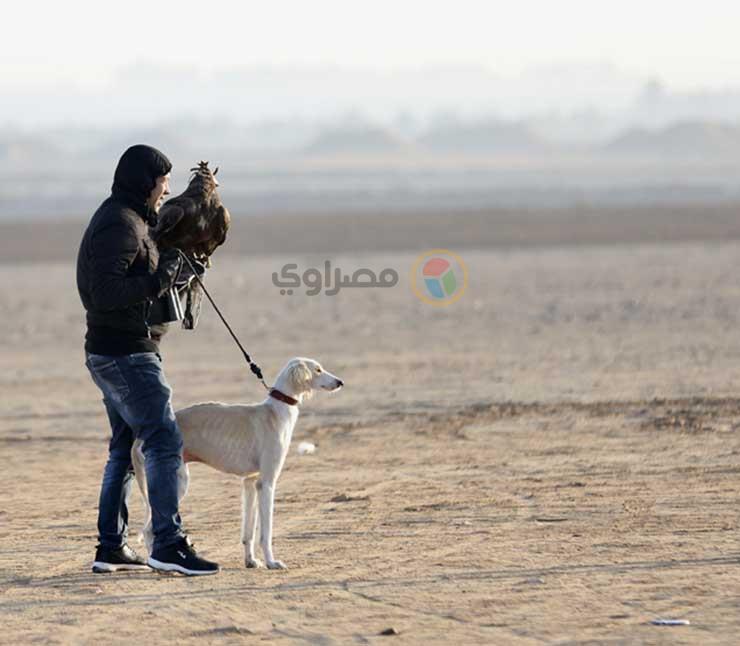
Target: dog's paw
point(276, 565)
point(253, 563)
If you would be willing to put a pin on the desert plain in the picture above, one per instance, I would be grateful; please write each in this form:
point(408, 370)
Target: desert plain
point(551, 459)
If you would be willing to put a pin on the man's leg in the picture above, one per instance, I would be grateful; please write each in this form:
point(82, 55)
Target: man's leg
point(143, 400)
point(163, 457)
point(113, 553)
point(116, 486)
point(148, 410)
point(152, 419)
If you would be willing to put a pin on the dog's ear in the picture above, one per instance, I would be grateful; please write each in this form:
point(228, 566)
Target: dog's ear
point(300, 378)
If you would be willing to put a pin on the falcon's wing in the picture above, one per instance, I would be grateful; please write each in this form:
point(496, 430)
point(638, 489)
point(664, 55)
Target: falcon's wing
point(223, 218)
point(169, 215)
point(218, 225)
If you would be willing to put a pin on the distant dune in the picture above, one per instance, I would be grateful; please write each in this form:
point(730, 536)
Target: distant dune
point(487, 137)
point(687, 140)
point(359, 166)
point(366, 139)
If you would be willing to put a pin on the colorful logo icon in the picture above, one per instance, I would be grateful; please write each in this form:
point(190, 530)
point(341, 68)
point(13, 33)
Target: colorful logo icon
point(439, 277)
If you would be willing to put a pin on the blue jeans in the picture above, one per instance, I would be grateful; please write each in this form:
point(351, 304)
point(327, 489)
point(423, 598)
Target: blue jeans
point(137, 398)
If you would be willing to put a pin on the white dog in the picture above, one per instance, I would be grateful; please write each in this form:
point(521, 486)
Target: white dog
point(250, 441)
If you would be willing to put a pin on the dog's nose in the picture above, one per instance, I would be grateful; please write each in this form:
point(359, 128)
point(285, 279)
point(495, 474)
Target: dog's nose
point(340, 383)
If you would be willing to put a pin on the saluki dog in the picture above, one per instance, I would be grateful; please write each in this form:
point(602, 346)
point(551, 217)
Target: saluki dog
point(250, 441)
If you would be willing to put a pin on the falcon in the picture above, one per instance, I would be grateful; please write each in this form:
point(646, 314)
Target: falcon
point(196, 223)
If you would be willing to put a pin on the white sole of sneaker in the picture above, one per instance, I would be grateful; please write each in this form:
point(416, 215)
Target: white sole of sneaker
point(99, 567)
point(173, 567)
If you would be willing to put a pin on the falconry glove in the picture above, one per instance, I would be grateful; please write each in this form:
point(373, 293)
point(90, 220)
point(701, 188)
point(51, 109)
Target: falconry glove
point(170, 264)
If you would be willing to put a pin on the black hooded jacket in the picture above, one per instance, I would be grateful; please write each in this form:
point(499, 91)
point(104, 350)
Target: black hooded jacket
point(117, 259)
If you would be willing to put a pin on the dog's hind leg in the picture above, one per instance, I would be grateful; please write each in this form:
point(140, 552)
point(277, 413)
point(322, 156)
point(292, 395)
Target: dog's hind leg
point(183, 480)
point(249, 522)
point(137, 459)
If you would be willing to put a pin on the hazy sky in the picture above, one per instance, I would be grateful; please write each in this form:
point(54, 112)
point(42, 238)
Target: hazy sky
point(687, 44)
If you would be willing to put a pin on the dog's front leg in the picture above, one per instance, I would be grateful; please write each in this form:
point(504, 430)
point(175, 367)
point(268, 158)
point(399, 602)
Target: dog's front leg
point(249, 522)
point(266, 495)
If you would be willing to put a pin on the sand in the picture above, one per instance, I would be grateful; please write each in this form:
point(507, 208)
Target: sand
point(552, 459)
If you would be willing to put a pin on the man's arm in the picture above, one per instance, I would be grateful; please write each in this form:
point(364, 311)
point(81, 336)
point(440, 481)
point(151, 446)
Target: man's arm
point(113, 250)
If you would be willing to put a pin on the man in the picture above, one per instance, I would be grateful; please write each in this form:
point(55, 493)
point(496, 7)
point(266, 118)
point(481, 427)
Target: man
point(120, 273)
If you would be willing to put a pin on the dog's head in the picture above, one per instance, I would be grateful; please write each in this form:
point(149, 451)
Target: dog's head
point(302, 376)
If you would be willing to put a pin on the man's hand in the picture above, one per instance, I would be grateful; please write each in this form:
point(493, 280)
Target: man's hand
point(168, 269)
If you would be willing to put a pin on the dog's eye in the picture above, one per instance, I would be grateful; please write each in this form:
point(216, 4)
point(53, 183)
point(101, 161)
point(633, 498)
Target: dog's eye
point(318, 371)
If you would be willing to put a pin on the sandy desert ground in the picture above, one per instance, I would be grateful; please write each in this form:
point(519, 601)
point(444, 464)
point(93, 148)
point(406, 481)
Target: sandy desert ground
point(552, 459)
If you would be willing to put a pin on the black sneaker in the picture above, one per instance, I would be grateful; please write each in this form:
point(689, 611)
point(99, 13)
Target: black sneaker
point(123, 558)
point(181, 557)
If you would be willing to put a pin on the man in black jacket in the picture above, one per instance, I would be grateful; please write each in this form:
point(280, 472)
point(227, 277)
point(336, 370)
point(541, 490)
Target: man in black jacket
point(120, 273)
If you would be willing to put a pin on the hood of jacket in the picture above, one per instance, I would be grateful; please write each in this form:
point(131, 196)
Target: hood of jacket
point(136, 175)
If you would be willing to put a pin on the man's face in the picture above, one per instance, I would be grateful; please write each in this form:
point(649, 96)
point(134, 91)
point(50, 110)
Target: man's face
point(160, 190)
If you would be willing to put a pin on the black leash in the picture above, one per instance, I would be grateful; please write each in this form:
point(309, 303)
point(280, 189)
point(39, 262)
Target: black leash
point(252, 365)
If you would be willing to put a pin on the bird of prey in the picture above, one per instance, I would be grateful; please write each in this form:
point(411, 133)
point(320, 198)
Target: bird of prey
point(196, 223)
